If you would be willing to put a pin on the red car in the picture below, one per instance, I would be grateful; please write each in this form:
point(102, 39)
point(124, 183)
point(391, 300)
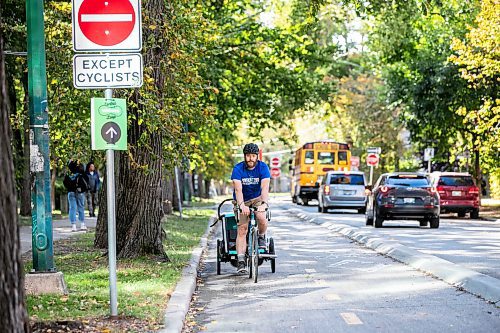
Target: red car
point(458, 193)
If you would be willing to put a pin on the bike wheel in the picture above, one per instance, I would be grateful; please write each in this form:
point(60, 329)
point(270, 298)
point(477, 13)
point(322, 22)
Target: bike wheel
point(219, 243)
point(255, 257)
point(271, 251)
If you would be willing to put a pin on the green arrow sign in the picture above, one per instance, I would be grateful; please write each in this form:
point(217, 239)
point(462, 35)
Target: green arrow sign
point(108, 119)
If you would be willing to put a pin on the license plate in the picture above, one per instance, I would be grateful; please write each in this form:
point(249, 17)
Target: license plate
point(456, 193)
point(408, 200)
point(348, 192)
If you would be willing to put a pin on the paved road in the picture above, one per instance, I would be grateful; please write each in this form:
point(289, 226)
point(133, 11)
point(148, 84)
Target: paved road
point(325, 283)
point(474, 244)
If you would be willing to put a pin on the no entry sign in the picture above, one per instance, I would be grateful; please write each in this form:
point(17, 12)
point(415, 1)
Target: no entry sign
point(372, 159)
point(275, 173)
point(107, 25)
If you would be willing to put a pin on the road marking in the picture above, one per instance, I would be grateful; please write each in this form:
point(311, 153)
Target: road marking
point(350, 318)
point(332, 297)
point(310, 270)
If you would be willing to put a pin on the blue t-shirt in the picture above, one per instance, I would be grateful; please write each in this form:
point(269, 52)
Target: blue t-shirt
point(250, 179)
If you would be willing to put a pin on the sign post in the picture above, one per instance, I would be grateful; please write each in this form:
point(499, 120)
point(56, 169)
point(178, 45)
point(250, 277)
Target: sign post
point(428, 155)
point(275, 171)
point(372, 160)
point(108, 26)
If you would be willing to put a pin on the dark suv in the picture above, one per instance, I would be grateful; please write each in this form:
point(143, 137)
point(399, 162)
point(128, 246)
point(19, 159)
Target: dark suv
point(403, 196)
point(458, 193)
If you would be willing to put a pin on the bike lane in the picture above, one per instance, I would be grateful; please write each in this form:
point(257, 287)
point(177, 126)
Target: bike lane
point(324, 283)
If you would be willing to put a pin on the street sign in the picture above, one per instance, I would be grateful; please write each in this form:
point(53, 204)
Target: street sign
point(100, 71)
point(428, 154)
point(372, 159)
point(107, 25)
point(108, 118)
point(275, 172)
point(374, 150)
point(275, 162)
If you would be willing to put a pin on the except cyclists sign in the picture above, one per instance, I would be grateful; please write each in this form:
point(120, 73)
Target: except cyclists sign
point(372, 159)
point(107, 25)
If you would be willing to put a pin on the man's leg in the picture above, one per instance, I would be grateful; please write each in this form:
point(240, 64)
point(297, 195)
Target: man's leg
point(241, 242)
point(262, 226)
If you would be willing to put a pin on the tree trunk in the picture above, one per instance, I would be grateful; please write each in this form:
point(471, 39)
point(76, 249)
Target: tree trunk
point(101, 230)
point(207, 188)
point(25, 195)
point(169, 193)
point(13, 315)
point(200, 184)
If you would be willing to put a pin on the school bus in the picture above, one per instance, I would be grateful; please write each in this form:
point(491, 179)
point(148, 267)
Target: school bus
point(311, 162)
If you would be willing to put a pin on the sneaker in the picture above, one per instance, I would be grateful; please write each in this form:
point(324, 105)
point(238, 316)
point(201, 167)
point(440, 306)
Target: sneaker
point(73, 227)
point(262, 241)
point(242, 268)
point(82, 226)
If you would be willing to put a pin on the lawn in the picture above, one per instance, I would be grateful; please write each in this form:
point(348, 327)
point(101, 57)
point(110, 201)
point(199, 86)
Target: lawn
point(144, 284)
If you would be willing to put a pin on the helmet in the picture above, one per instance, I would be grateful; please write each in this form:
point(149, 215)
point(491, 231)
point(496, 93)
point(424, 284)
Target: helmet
point(251, 148)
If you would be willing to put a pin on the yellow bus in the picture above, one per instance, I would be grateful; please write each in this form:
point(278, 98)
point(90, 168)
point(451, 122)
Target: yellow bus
point(311, 162)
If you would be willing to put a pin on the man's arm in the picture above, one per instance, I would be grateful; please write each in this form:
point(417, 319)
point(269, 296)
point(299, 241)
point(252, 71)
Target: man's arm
point(238, 191)
point(264, 192)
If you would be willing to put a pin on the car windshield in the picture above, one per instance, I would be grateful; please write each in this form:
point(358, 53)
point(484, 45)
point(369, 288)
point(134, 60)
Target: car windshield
point(411, 180)
point(456, 181)
point(347, 179)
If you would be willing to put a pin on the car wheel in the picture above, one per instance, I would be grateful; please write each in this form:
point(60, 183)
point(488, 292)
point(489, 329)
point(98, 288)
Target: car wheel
point(474, 214)
point(368, 219)
point(434, 222)
point(461, 214)
point(306, 202)
point(361, 210)
point(423, 223)
point(377, 219)
point(319, 207)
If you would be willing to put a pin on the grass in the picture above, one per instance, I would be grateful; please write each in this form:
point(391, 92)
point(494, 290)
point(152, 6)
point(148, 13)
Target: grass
point(144, 284)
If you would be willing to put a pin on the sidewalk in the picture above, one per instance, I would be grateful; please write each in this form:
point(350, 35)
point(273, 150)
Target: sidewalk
point(60, 229)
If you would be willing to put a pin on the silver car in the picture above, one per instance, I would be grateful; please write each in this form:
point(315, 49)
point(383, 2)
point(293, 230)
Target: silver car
point(342, 190)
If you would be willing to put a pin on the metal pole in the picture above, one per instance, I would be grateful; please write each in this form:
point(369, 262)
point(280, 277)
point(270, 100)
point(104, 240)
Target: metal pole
point(274, 187)
point(41, 212)
point(178, 190)
point(110, 179)
point(429, 165)
point(371, 174)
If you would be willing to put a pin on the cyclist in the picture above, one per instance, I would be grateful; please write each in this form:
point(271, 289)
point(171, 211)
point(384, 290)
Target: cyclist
point(251, 189)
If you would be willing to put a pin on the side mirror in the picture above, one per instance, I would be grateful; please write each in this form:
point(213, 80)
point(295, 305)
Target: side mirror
point(290, 164)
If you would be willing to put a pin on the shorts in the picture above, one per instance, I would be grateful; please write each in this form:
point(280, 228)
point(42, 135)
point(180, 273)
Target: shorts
point(255, 202)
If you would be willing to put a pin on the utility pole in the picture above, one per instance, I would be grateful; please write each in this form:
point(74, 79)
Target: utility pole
point(43, 256)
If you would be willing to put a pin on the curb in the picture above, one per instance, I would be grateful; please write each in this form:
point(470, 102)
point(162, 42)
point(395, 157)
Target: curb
point(180, 300)
point(471, 281)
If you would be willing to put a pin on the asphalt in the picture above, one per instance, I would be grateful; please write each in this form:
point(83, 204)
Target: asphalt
point(473, 282)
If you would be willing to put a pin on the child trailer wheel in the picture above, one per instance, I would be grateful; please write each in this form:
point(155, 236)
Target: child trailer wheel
point(219, 243)
point(271, 251)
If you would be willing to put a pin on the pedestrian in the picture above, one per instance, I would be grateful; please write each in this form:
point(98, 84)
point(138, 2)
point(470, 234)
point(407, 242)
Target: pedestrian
point(76, 182)
point(94, 185)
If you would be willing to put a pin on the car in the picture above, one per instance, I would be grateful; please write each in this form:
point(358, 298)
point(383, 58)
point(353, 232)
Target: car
point(403, 196)
point(458, 193)
point(342, 190)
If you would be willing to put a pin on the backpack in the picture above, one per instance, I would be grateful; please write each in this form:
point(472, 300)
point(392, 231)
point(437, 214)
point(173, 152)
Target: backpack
point(70, 182)
point(82, 183)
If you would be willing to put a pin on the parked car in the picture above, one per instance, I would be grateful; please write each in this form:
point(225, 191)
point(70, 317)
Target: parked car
point(403, 196)
point(458, 193)
point(341, 190)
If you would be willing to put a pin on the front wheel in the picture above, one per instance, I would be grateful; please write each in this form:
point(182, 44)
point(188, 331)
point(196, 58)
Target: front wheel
point(474, 214)
point(255, 257)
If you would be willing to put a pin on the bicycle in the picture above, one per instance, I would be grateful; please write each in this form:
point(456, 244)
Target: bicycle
point(254, 256)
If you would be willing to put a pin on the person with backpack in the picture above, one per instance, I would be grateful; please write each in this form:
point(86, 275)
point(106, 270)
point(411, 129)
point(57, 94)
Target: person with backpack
point(76, 182)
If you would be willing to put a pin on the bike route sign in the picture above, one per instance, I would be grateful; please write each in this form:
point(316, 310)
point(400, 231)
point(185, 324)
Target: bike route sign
point(107, 25)
point(108, 118)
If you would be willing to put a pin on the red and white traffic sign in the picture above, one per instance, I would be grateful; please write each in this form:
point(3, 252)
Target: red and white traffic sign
point(275, 162)
point(275, 172)
point(372, 159)
point(107, 25)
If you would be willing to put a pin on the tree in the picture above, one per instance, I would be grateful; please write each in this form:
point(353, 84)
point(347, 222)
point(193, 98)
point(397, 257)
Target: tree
point(13, 315)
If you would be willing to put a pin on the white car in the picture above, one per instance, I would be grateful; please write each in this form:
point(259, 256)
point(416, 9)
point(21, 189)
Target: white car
point(342, 190)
